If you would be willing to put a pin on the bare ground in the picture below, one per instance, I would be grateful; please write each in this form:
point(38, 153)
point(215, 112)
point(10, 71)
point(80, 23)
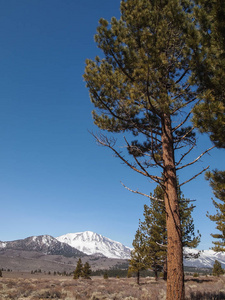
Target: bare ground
point(23, 286)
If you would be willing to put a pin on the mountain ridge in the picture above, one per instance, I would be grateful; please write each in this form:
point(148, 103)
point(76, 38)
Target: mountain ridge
point(45, 244)
point(92, 244)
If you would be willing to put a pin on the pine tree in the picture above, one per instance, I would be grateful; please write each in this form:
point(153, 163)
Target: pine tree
point(154, 231)
point(79, 269)
point(0, 273)
point(217, 182)
point(217, 269)
point(209, 70)
point(138, 261)
point(86, 272)
point(143, 87)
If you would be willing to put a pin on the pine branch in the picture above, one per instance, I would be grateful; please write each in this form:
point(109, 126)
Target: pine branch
point(140, 165)
point(178, 140)
point(183, 122)
point(104, 141)
point(185, 154)
point(137, 192)
point(193, 177)
point(194, 161)
point(183, 105)
point(161, 244)
point(182, 76)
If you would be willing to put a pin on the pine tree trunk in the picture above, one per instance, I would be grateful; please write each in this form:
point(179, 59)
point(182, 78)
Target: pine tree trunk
point(138, 277)
point(156, 275)
point(175, 273)
point(165, 270)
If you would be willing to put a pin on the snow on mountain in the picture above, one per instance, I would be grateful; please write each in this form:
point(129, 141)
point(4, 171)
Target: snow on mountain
point(42, 243)
point(206, 258)
point(94, 243)
point(88, 242)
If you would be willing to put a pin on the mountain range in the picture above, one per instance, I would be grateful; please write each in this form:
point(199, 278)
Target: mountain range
point(101, 251)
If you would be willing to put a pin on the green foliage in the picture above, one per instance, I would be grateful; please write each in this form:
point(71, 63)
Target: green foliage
point(82, 271)
point(86, 272)
point(217, 182)
point(144, 76)
point(79, 269)
point(105, 276)
point(195, 275)
point(150, 241)
point(153, 229)
point(138, 259)
point(210, 70)
point(217, 269)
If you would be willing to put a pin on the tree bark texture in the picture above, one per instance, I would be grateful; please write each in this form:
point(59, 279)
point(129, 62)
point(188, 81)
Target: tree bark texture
point(175, 275)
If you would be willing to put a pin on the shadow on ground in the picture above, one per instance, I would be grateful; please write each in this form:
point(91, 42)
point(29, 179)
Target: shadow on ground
point(207, 296)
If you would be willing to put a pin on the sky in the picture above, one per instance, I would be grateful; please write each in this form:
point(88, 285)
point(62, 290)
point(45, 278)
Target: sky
point(54, 178)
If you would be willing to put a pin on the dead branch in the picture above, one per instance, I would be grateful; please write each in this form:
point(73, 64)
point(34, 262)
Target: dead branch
point(137, 192)
point(104, 141)
point(140, 165)
point(161, 244)
point(185, 154)
point(194, 161)
point(178, 140)
point(193, 177)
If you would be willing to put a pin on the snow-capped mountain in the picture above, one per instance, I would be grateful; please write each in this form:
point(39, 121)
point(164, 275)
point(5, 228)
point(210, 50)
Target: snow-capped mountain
point(90, 243)
point(94, 243)
point(45, 244)
point(206, 258)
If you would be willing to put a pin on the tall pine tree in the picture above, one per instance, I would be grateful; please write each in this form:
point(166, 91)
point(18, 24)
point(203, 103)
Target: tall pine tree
point(143, 86)
point(209, 114)
point(217, 182)
point(209, 70)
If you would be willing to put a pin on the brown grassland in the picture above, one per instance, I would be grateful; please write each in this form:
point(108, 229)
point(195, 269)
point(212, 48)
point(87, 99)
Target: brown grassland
point(23, 286)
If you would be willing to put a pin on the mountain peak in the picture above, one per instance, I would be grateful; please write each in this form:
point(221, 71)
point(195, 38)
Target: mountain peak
point(93, 243)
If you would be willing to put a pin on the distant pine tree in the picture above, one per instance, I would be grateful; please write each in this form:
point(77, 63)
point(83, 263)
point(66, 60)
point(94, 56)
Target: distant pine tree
point(86, 272)
point(217, 269)
point(0, 273)
point(79, 269)
point(105, 275)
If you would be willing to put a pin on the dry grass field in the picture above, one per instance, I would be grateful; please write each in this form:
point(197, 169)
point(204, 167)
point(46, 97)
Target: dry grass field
point(24, 286)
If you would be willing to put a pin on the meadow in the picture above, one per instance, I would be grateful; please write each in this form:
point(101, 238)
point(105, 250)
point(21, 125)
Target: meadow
point(21, 286)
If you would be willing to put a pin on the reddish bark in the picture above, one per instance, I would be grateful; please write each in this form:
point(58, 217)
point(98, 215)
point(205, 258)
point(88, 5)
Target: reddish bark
point(175, 273)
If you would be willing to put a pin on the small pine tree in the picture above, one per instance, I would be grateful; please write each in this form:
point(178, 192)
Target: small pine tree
point(105, 275)
point(86, 271)
point(138, 260)
point(0, 273)
point(79, 269)
point(217, 269)
point(154, 232)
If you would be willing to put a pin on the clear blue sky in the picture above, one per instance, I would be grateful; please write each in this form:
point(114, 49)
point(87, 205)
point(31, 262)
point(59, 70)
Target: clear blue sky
point(54, 179)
